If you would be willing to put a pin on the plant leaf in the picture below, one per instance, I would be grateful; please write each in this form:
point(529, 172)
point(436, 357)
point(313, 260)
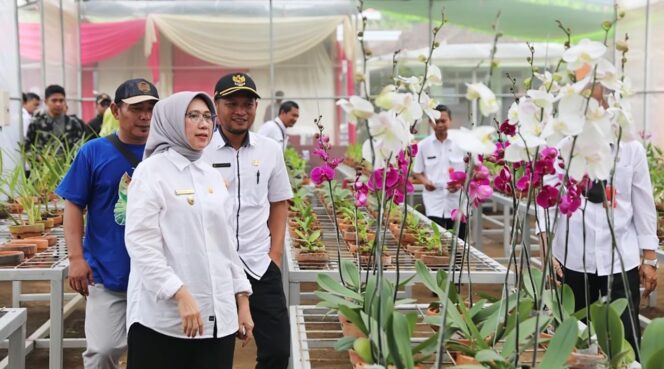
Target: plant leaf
point(652, 342)
point(488, 356)
point(608, 328)
point(344, 344)
point(351, 273)
point(400, 334)
point(561, 345)
point(327, 283)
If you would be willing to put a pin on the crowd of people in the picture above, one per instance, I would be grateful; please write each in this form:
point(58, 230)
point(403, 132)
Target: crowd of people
point(175, 220)
point(187, 210)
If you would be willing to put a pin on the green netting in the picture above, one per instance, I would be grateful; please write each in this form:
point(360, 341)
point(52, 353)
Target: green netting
point(533, 20)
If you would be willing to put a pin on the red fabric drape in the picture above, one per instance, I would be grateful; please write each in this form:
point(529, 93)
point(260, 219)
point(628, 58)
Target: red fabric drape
point(99, 41)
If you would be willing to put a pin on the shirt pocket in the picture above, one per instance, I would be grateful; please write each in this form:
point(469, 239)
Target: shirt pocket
point(456, 161)
point(622, 181)
point(254, 185)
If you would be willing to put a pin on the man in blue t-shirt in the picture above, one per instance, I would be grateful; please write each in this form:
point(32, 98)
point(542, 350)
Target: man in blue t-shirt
point(97, 181)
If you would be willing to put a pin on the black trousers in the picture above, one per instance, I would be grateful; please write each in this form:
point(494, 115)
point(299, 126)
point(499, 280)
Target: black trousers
point(448, 223)
point(149, 349)
point(597, 285)
point(270, 315)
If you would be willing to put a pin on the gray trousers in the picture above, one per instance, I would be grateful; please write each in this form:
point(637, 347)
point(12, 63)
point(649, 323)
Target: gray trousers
point(105, 328)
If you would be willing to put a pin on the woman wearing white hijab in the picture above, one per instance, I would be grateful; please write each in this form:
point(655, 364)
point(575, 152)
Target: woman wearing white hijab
point(188, 294)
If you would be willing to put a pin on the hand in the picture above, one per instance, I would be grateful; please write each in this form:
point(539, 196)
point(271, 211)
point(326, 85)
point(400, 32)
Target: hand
point(80, 275)
point(192, 323)
point(557, 268)
point(246, 323)
point(428, 185)
point(452, 188)
point(648, 276)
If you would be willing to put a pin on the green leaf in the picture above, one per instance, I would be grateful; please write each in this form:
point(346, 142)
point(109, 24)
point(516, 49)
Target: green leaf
point(336, 300)
point(652, 342)
point(428, 346)
point(526, 329)
point(344, 344)
point(354, 317)
point(619, 305)
point(561, 345)
point(327, 283)
point(488, 356)
point(425, 276)
point(351, 273)
point(608, 328)
point(400, 334)
point(655, 361)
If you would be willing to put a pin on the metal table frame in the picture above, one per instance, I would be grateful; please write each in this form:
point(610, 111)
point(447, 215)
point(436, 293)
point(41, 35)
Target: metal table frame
point(304, 340)
point(12, 328)
point(491, 272)
point(50, 265)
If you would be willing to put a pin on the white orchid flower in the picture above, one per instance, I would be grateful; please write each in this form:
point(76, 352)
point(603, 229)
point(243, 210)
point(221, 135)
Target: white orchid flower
point(429, 107)
point(411, 83)
point(621, 117)
point(542, 99)
point(573, 88)
point(356, 108)
point(434, 76)
point(626, 88)
point(600, 118)
point(548, 81)
point(521, 146)
point(513, 114)
point(585, 52)
point(531, 117)
point(608, 75)
point(591, 156)
point(387, 97)
point(391, 134)
point(488, 102)
point(479, 140)
point(570, 119)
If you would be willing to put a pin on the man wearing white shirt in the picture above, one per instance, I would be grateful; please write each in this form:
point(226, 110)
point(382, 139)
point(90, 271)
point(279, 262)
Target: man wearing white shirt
point(275, 129)
point(635, 233)
point(436, 157)
point(254, 168)
point(30, 105)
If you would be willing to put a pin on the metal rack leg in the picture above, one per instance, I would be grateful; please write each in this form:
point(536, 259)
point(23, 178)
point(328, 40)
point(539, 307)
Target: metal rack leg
point(56, 331)
point(294, 293)
point(16, 352)
point(16, 294)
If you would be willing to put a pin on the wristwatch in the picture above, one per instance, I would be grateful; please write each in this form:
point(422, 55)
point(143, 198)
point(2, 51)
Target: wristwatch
point(651, 262)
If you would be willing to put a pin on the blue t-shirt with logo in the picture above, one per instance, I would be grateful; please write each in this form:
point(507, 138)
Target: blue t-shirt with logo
point(97, 180)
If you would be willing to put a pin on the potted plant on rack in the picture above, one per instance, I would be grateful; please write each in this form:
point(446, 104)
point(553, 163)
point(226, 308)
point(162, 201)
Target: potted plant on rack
point(31, 226)
point(312, 248)
point(436, 253)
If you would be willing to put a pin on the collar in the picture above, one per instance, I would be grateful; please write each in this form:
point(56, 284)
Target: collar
point(180, 161)
point(249, 140)
point(435, 139)
point(280, 124)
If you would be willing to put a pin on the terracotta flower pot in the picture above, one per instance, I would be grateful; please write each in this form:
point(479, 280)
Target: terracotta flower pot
point(386, 259)
point(51, 240)
point(29, 250)
point(349, 329)
point(11, 258)
point(461, 359)
point(39, 243)
point(435, 260)
point(313, 257)
point(57, 220)
point(577, 360)
point(17, 230)
point(15, 208)
point(48, 223)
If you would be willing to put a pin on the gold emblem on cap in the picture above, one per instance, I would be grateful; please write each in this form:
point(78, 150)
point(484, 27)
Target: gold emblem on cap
point(256, 163)
point(239, 80)
point(143, 86)
point(190, 200)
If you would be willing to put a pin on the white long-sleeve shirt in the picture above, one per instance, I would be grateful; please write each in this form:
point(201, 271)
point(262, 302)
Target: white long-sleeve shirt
point(435, 159)
point(178, 233)
point(634, 218)
point(275, 130)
